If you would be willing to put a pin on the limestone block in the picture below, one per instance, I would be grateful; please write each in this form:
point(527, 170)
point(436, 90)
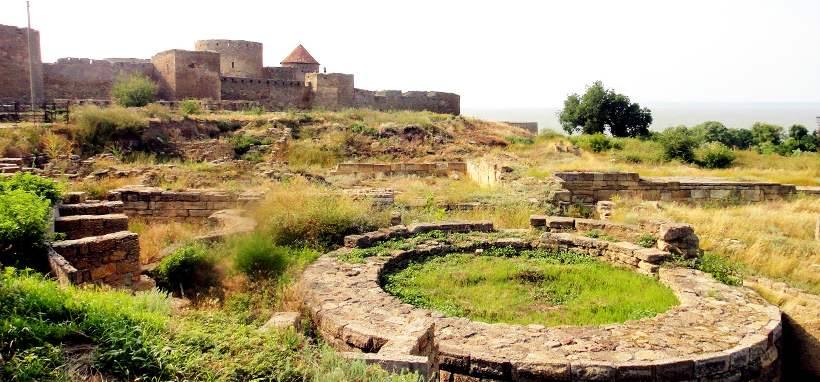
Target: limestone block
point(144, 283)
point(588, 371)
point(675, 369)
point(651, 255)
point(514, 242)
point(720, 194)
point(103, 271)
point(648, 268)
point(283, 321)
point(483, 365)
point(534, 369)
point(128, 266)
point(454, 359)
point(672, 231)
point(556, 238)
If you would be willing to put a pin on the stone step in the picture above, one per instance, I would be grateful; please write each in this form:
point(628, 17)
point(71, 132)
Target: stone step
point(82, 226)
point(99, 208)
point(111, 259)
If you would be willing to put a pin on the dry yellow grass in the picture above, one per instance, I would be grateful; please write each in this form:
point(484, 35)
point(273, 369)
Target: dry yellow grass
point(154, 236)
point(774, 239)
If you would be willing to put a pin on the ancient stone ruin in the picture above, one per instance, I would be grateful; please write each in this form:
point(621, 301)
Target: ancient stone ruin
point(101, 250)
point(718, 332)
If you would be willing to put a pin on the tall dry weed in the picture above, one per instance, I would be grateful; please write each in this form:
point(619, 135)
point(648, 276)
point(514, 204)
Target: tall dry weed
point(774, 239)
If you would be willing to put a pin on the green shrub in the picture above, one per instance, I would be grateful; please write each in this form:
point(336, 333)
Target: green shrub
point(678, 144)
point(361, 128)
point(721, 268)
point(134, 91)
point(97, 128)
point(35, 184)
point(599, 142)
point(242, 143)
point(22, 229)
point(520, 140)
point(646, 240)
point(189, 106)
point(257, 257)
point(188, 268)
point(717, 155)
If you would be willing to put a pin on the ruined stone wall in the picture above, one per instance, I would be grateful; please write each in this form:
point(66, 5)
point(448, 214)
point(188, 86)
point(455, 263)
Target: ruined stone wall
point(384, 100)
point(529, 126)
point(717, 332)
point(238, 58)
point(484, 173)
point(591, 187)
point(188, 74)
point(83, 78)
point(333, 91)
point(112, 259)
point(14, 65)
point(420, 169)
point(282, 73)
point(158, 204)
point(275, 95)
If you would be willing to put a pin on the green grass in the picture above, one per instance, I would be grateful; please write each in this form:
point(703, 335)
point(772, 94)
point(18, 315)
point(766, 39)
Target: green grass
point(137, 338)
point(537, 287)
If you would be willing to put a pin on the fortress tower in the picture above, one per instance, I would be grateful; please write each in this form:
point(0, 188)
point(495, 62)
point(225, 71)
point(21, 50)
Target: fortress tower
point(301, 61)
point(238, 58)
point(14, 65)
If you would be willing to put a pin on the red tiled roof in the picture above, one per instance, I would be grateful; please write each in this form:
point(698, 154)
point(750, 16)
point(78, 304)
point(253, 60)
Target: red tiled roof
point(299, 55)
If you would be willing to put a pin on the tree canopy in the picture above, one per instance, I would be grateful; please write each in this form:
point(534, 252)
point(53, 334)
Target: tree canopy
point(600, 108)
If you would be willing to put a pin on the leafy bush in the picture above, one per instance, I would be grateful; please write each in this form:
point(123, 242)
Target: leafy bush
point(717, 155)
point(527, 141)
point(678, 144)
point(721, 268)
point(189, 106)
point(188, 268)
point(599, 142)
point(242, 143)
point(134, 91)
point(35, 184)
point(97, 128)
point(161, 112)
point(22, 229)
point(361, 128)
point(258, 258)
point(646, 240)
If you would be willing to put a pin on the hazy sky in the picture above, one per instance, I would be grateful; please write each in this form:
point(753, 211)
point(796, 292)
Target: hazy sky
point(501, 53)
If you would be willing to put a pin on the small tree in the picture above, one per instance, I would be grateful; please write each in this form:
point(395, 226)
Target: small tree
point(600, 108)
point(764, 132)
point(136, 90)
point(678, 143)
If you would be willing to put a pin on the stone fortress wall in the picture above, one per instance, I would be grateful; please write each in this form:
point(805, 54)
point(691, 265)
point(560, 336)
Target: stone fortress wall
point(14, 64)
point(214, 70)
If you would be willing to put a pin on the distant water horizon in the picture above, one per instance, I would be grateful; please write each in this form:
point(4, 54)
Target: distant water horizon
point(667, 114)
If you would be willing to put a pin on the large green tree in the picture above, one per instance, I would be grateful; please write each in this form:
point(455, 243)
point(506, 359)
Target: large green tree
point(600, 108)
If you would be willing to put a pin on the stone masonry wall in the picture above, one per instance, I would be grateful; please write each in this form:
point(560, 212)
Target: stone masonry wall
point(717, 333)
point(82, 78)
point(14, 65)
point(158, 204)
point(112, 259)
point(384, 100)
point(420, 169)
point(591, 187)
point(274, 95)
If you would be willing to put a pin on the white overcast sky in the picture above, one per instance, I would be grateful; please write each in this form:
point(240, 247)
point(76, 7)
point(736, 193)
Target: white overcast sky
point(500, 53)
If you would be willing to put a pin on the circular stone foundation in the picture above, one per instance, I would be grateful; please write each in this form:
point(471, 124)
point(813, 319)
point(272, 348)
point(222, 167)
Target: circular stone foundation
point(718, 332)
